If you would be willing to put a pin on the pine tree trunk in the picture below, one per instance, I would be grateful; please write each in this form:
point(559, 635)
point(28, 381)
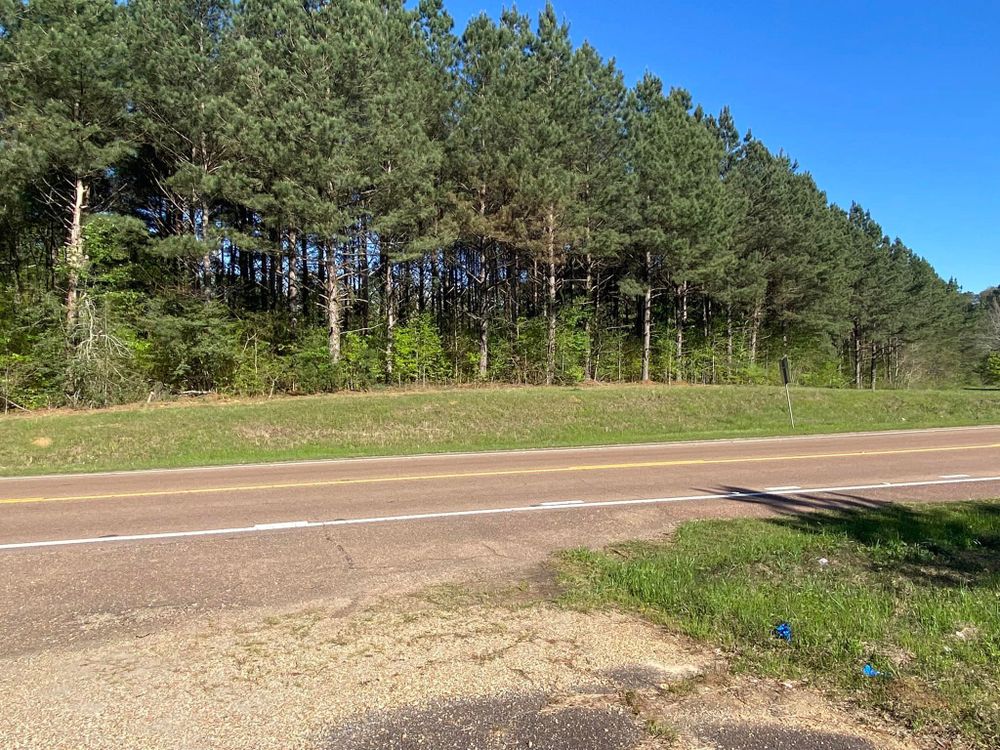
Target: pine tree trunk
point(364, 276)
point(588, 367)
point(729, 339)
point(206, 260)
point(874, 365)
point(304, 301)
point(682, 319)
point(647, 320)
point(76, 257)
point(333, 312)
point(390, 313)
point(484, 315)
point(755, 323)
point(292, 274)
point(550, 363)
point(272, 280)
point(437, 304)
point(535, 285)
point(858, 382)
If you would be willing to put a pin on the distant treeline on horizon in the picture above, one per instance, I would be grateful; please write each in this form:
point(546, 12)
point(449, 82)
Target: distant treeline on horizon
point(304, 196)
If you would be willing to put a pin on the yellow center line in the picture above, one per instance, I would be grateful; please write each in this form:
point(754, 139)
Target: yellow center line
point(493, 473)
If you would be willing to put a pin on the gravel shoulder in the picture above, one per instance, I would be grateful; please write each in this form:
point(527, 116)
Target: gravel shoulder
point(452, 667)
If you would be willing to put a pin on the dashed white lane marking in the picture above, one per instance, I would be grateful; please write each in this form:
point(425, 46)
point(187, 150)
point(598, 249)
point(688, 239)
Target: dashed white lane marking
point(280, 526)
point(562, 504)
point(955, 476)
point(296, 525)
point(789, 488)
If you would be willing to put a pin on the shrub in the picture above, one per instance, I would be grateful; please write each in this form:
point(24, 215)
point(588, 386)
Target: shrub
point(417, 354)
point(103, 369)
point(993, 368)
point(193, 345)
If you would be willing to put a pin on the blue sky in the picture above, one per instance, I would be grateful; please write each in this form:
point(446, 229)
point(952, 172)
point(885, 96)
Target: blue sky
point(895, 104)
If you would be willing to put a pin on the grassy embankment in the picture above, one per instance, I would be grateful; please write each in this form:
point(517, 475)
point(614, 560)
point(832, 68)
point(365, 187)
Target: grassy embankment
point(386, 423)
point(915, 591)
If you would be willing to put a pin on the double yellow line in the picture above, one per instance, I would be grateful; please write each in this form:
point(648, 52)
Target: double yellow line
point(493, 473)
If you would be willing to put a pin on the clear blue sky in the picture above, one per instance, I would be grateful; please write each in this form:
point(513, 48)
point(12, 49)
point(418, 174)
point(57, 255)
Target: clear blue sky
point(893, 103)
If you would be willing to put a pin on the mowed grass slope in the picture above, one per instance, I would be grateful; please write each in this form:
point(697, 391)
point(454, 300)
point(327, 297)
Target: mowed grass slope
point(394, 423)
point(913, 591)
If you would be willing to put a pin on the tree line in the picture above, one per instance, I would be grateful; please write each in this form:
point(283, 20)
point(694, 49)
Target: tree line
point(306, 195)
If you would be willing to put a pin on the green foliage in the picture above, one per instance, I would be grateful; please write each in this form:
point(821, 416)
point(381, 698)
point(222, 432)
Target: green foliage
point(33, 355)
point(361, 365)
point(418, 355)
point(192, 345)
point(572, 344)
point(993, 368)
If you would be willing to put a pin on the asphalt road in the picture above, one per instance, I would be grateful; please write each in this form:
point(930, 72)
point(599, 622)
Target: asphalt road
point(88, 557)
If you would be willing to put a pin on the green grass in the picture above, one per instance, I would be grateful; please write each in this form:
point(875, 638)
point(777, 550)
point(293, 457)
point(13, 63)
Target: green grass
point(913, 590)
point(392, 423)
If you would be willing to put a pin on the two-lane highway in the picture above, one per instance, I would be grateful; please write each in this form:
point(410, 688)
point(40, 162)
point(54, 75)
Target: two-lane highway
point(81, 556)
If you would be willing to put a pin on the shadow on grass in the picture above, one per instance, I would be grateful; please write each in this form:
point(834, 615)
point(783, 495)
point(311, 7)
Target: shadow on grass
point(948, 544)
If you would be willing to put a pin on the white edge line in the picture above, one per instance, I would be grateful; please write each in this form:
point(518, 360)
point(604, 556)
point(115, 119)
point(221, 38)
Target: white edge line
point(503, 452)
point(785, 489)
point(263, 528)
point(955, 476)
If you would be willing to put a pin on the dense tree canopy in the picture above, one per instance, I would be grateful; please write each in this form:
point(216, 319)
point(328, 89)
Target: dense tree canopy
point(305, 195)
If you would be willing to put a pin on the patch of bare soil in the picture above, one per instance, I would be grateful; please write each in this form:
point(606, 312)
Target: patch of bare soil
point(717, 711)
point(439, 671)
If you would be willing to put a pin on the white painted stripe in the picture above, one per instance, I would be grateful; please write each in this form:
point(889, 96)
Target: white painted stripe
point(562, 504)
point(782, 489)
point(470, 513)
point(501, 452)
point(280, 526)
point(955, 476)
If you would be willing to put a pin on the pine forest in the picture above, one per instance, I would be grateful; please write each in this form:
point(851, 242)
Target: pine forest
point(302, 196)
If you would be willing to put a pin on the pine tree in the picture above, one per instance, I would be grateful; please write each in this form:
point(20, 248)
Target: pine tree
point(182, 95)
point(486, 164)
point(550, 187)
point(605, 203)
point(684, 210)
point(64, 109)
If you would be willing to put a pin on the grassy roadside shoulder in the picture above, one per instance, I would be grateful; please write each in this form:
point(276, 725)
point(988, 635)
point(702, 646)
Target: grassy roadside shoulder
point(913, 591)
point(475, 419)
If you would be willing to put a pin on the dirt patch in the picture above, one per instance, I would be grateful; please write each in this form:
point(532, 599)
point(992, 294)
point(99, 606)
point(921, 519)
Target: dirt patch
point(716, 711)
point(42, 442)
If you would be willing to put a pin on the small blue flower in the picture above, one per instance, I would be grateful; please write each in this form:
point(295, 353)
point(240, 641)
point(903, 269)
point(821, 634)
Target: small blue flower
point(784, 632)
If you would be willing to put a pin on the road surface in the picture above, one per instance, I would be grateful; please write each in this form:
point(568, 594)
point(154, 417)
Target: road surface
point(92, 556)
